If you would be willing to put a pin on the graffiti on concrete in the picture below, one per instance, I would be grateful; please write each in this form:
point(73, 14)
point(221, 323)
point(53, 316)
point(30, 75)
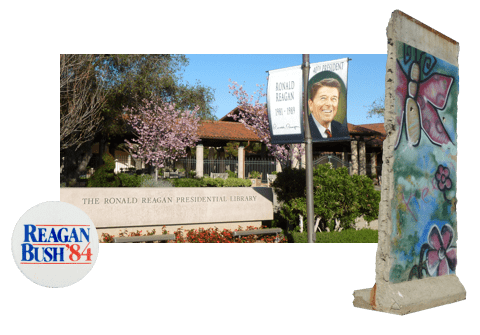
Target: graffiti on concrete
point(421, 99)
point(440, 255)
point(425, 160)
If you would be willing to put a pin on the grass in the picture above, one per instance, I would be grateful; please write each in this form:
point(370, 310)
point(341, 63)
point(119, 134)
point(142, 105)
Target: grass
point(345, 236)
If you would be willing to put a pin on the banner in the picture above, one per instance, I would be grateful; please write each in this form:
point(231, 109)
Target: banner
point(327, 100)
point(284, 101)
point(327, 103)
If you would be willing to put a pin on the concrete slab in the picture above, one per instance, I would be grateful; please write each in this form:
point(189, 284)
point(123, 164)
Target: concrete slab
point(412, 296)
point(417, 227)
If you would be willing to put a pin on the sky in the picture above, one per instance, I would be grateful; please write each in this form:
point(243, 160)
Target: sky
point(366, 77)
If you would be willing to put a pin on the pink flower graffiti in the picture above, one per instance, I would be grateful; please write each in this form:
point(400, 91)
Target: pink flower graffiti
point(442, 177)
point(422, 100)
point(441, 256)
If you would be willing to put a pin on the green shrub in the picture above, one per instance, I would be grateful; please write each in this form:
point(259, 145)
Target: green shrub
point(368, 197)
point(255, 174)
point(128, 180)
point(290, 184)
point(231, 174)
point(337, 195)
point(345, 236)
point(278, 222)
point(213, 182)
point(291, 210)
point(104, 175)
point(236, 182)
point(187, 182)
point(149, 181)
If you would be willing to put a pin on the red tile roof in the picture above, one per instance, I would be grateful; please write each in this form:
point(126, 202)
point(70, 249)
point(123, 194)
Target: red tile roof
point(361, 130)
point(379, 127)
point(375, 131)
point(228, 117)
point(222, 130)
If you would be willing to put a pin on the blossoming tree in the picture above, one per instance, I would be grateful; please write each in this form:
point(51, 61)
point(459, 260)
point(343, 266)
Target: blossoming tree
point(162, 132)
point(253, 114)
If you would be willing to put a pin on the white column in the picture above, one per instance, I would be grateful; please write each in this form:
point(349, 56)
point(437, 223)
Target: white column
point(241, 162)
point(199, 158)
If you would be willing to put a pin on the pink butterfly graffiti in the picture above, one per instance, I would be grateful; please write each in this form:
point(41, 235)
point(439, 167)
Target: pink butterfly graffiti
point(422, 100)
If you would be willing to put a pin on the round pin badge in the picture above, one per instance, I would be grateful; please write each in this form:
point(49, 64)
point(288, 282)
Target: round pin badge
point(55, 244)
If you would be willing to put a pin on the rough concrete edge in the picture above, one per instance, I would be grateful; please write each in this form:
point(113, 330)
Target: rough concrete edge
point(383, 261)
point(362, 297)
point(411, 32)
point(417, 295)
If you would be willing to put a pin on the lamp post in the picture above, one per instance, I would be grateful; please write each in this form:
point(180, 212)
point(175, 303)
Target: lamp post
point(308, 151)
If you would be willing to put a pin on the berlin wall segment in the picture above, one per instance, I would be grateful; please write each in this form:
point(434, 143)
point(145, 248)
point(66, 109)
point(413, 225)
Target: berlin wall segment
point(416, 255)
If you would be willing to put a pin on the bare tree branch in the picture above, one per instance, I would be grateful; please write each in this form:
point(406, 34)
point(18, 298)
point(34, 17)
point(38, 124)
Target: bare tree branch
point(377, 108)
point(81, 99)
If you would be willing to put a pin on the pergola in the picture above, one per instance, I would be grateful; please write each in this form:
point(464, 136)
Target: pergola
point(365, 141)
point(218, 134)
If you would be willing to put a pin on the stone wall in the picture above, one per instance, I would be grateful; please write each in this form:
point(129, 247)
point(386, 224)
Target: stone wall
point(112, 209)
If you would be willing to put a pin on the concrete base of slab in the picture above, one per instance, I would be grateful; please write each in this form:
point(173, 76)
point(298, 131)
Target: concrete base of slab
point(412, 296)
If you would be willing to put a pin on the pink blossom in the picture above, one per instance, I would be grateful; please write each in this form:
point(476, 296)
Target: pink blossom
point(254, 116)
point(162, 132)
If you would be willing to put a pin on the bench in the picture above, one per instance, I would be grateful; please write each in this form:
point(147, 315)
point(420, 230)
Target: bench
point(173, 174)
point(275, 231)
point(149, 238)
